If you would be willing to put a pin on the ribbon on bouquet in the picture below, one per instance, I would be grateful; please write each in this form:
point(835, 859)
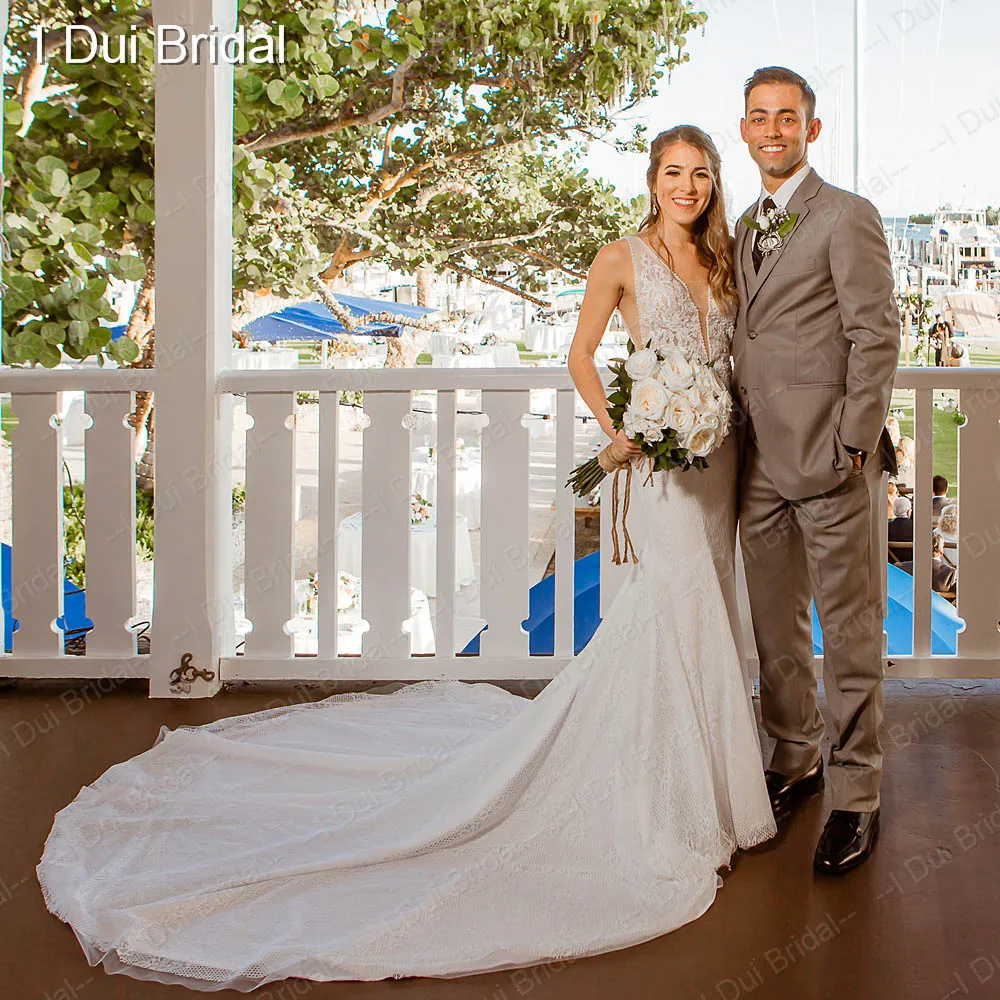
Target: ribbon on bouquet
point(612, 463)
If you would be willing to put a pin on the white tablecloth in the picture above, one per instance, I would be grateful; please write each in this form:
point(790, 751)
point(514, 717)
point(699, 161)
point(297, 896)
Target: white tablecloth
point(423, 552)
point(504, 355)
point(468, 488)
point(442, 344)
point(548, 338)
point(469, 361)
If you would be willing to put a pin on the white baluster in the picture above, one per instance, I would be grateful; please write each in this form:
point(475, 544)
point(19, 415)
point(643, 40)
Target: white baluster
point(444, 605)
point(37, 536)
point(326, 518)
point(979, 525)
point(110, 446)
point(923, 436)
point(270, 523)
point(385, 538)
point(506, 556)
point(565, 524)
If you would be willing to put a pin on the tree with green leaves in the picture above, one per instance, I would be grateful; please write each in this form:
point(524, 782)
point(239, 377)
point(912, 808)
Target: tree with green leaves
point(421, 134)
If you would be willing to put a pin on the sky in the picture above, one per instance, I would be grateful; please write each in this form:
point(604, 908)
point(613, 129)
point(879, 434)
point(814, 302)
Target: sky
point(931, 107)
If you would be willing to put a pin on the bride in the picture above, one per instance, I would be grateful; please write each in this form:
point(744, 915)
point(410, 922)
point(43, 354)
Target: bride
point(451, 828)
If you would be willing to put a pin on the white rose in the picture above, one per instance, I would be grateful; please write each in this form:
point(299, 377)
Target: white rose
point(676, 372)
point(701, 440)
point(680, 413)
point(641, 364)
point(649, 400)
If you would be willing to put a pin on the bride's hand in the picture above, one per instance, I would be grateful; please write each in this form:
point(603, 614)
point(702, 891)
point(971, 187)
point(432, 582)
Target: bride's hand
point(624, 446)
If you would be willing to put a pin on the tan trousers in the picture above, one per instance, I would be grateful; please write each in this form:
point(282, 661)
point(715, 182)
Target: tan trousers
point(819, 546)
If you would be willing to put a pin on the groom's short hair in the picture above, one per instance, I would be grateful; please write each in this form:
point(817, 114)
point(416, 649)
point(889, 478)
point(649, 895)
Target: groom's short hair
point(779, 74)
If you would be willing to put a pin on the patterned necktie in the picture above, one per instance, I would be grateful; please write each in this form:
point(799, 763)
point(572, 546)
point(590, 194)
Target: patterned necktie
point(758, 256)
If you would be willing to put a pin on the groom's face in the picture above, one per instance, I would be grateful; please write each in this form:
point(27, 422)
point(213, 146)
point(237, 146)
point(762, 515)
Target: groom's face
point(777, 129)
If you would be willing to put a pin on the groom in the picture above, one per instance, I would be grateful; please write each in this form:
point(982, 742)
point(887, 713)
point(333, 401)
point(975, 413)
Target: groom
point(815, 353)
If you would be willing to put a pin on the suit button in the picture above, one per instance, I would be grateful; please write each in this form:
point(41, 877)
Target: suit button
point(743, 389)
point(752, 334)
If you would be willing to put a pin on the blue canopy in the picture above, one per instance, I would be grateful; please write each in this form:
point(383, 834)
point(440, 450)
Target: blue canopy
point(313, 321)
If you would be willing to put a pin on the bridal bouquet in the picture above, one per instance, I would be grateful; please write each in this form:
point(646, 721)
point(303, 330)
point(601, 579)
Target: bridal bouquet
point(676, 408)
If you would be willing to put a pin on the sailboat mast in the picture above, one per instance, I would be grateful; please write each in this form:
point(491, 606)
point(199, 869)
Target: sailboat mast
point(860, 18)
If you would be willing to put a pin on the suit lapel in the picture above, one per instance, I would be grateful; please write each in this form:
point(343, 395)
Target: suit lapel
point(798, 203)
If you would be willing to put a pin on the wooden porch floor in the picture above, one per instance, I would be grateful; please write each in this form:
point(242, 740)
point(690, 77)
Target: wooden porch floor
point(919, 921)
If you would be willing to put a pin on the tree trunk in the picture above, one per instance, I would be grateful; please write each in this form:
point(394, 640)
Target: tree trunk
point(424, 278)
point(144, 469)
point(142, 329)
point(402, 352)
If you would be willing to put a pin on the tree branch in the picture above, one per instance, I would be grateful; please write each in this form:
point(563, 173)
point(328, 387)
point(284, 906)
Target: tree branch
point(293, 133)
point(498, 284)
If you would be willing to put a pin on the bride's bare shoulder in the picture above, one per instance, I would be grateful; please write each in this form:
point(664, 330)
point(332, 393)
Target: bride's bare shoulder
point(613, 260)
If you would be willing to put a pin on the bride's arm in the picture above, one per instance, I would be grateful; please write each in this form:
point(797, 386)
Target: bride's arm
point(604, 291)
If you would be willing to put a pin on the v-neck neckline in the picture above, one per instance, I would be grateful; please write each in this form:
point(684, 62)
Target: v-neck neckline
point(706, 343)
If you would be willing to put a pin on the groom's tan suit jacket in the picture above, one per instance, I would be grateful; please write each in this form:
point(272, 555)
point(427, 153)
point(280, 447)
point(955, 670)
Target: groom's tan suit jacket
point(816, 343)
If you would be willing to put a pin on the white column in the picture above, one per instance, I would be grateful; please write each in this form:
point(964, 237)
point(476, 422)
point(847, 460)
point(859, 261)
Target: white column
point(192, 610)
point(860, 19)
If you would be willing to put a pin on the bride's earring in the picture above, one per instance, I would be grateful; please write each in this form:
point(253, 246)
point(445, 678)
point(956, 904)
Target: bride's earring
point(656, 207)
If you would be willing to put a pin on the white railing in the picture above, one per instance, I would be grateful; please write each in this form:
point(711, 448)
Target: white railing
point(37, 576)
point(385, 544)
point(37, 572)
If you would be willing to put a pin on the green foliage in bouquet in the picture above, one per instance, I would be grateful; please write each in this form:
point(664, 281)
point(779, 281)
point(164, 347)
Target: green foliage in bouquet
point(662, 455)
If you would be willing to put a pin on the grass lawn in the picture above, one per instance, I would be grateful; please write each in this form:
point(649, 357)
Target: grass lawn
point(6, 418)
point(945, 444)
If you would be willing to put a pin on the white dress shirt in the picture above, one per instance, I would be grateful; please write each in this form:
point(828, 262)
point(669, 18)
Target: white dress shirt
point(783, 195)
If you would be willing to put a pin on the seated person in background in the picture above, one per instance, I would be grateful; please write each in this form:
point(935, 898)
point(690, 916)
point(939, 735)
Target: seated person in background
point(892, 426)
point(905, 455)
point(942, 575)
point(941, 500)
point(948, 526)
point(893, 493)
point(901, 525)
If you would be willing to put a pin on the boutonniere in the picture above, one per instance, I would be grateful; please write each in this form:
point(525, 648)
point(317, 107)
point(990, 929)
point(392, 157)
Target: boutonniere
point(776, 226)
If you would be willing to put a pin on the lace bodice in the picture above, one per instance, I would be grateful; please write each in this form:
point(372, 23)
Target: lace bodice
point(668, 314)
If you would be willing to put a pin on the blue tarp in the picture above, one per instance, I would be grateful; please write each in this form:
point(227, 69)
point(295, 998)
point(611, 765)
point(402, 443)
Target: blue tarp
point(313, 321)
point(73, 620)
point(539, 624)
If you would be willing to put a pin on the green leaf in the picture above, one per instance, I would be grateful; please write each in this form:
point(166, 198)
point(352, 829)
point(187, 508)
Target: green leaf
point(129, 267)
point(58, 182)
point(49, 355)
point(52, 333)
point(123, 350)
point(276, 91)
point(100, 125)
point(76, 331)
point(85, 179)
point(31, 260)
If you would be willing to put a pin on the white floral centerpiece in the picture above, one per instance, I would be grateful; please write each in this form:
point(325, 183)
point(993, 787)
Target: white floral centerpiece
point(676, 408)
point(420, 509)
point(348, 591)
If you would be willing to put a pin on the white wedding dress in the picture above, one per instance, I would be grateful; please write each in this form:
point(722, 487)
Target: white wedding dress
point(451, 828)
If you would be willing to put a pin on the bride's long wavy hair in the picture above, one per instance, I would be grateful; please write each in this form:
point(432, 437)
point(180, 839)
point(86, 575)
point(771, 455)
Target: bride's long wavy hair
point(711, 230)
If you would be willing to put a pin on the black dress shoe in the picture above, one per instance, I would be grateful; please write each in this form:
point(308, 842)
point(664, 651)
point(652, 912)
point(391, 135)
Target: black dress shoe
point(846, 841)
point(785, 792)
